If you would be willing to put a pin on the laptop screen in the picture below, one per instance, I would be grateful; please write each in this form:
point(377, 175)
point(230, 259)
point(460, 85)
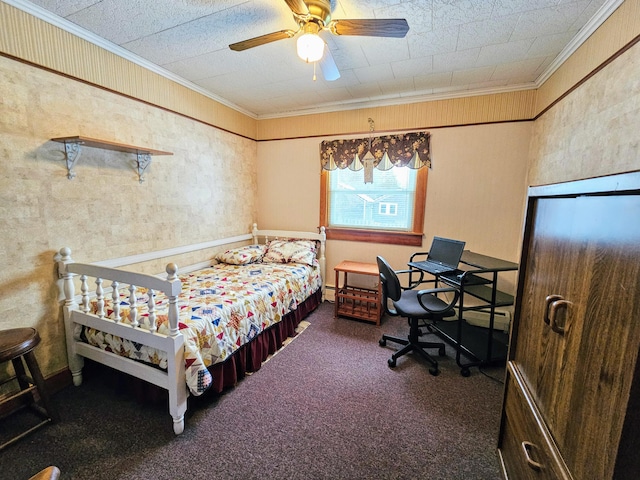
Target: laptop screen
point(446, 251)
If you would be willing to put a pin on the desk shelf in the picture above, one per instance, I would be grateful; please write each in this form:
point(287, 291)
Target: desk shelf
point(485, 293)
point(476, 341)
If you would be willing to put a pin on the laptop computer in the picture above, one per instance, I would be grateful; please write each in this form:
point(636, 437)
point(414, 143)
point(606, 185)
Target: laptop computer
point(444, 256)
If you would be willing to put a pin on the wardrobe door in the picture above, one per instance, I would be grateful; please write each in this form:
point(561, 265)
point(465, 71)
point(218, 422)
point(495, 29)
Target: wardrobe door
point(589, 438)
point(557, 268)
point(579, 338)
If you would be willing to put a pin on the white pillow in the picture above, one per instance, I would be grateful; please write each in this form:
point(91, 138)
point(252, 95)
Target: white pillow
point(294, 251)
point(242, 255)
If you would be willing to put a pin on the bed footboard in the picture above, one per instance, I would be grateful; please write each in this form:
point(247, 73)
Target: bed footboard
point(79, 311)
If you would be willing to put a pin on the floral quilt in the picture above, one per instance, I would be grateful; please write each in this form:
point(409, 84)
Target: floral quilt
point(221, 308)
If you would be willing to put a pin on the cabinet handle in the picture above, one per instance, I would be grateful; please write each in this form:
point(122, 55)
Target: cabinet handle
point(526, 447)
point(547, 303)
point(554, 309)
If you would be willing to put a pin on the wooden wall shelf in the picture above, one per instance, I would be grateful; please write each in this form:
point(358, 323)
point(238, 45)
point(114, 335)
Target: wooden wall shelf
point(72, 152)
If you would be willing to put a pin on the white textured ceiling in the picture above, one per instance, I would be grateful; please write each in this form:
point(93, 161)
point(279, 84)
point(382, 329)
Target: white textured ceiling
point(453, 47)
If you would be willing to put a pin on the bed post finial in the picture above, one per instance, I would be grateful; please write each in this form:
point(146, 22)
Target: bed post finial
point(172, 270)
point(323, 260)
point(62, 258)
point(76, 362)
point(68, 288)
point(254, 232)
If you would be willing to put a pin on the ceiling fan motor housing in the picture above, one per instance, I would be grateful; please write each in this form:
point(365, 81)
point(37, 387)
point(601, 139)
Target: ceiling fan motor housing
point(319, 11)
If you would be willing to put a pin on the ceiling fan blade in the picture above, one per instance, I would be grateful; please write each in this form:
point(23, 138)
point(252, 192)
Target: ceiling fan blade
point(390, 27)
point(328, 66)
point(298, 7)
point(261, 40)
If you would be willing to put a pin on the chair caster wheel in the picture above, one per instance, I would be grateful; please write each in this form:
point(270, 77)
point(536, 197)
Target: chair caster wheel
point(391, 362)
point(434, 371)
point(382, 342)
point(465, 372)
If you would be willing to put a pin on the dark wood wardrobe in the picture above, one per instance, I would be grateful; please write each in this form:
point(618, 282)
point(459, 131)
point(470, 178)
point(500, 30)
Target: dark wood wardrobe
point(572, 394)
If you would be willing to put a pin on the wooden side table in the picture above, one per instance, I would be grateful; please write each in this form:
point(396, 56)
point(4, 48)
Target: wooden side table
point(358, 302)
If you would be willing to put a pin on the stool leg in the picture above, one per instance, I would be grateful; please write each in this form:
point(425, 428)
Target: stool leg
point(32, 363)
point(21, 375)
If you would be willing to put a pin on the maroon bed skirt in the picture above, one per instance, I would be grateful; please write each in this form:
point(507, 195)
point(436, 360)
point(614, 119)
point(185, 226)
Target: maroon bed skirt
point(249, 357)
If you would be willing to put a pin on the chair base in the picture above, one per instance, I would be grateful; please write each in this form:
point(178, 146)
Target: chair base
point(412, 344)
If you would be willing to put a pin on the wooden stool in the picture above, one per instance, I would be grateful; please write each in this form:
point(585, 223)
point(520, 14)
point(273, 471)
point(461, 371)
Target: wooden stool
point(17, 344)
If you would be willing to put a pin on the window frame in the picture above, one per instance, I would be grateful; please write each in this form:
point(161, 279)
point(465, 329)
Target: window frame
point(411, 238)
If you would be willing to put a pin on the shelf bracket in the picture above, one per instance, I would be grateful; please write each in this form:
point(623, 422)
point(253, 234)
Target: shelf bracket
point(144, 160)
point(72, 153)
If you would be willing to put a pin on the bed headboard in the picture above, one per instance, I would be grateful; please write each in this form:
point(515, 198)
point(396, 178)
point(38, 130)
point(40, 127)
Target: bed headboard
point(320, 237)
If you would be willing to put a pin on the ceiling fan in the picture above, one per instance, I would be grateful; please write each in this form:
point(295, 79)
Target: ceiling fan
point(313, 16)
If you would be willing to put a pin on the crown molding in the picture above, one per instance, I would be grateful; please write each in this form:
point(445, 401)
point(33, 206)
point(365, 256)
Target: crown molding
point(585, 32)
point(443, 94)
point(601, 15)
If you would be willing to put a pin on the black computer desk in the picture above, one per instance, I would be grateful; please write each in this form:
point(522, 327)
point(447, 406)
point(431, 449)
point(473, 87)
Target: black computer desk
point(478, 278)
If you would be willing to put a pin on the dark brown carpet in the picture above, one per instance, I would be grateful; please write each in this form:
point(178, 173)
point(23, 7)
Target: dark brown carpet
point(326, 406)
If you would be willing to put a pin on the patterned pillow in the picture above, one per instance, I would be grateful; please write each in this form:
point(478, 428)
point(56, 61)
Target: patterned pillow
point(294, 251)
point(242, 255)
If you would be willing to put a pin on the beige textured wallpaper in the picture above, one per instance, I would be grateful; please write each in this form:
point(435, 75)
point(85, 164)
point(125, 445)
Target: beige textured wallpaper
point(204, 191)
point(594, 130)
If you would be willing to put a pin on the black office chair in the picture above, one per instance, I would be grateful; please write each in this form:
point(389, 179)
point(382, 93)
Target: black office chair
point(415, 305)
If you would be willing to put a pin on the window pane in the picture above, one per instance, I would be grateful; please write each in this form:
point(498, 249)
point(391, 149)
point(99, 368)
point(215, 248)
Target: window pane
point(385, 204)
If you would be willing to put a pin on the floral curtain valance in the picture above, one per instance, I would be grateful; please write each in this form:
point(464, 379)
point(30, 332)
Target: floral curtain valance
point(411, 150)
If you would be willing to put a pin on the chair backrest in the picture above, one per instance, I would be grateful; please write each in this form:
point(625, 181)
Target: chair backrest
point(389, 279)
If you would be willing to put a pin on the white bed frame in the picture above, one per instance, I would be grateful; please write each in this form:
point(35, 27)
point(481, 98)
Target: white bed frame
point(76, 311)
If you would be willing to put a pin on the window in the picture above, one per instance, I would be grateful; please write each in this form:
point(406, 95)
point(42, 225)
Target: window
point(355, 204)
point(389, 210)
point(386, 208)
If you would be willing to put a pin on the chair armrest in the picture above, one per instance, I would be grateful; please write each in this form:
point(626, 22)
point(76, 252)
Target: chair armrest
point(418, 254)
point(435, 291)
point(413, 283)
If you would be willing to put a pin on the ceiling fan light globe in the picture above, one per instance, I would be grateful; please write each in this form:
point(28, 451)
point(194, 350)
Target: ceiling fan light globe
point(310, 47)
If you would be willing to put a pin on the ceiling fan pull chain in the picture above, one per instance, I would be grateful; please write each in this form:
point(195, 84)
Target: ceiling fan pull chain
point(314, 71)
